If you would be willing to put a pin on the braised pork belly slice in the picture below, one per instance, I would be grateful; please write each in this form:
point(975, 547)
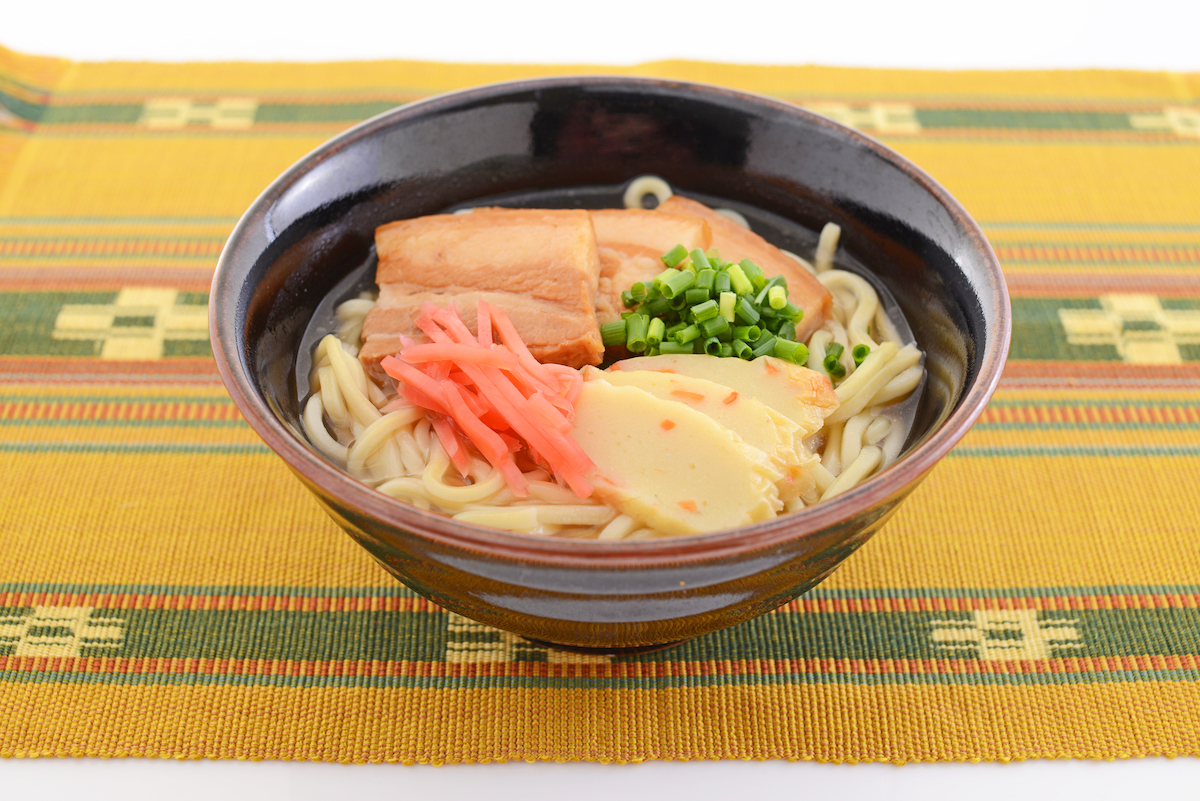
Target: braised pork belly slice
point(736, 243)
point(630, 244)
point(539, 266)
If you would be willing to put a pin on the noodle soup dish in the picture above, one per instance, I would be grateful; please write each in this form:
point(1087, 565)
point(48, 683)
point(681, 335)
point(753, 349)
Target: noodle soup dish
point(608, 363)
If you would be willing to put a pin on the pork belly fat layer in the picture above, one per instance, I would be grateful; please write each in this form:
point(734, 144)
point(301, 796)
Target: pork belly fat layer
point(630, 244)
point(737, 243)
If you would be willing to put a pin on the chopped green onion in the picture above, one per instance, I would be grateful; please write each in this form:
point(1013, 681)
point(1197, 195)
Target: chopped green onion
point(712, 346)
point(668, 347)
point(832, 363)
point(859, 353)
point(751, 269)
point(713, 255)
point(639, 291)
point(687, 334)
point(764, 346)
point(791, 312)
point(700, 260)
point(613, 333)
point(677, 284)
point(705, 278)
point(767, 312)
point(654, 333)
point(722, 283)
point(627, 315)
point(746, 312)
point(786, 330)
point(653, 351)
point(679, 302)
point(675, 255)
point(790, 351)
point(671, 329)
point(655, 307)
point(742, 350)
point(726, 350)
point(714, 326)
point(738, 280)
point(635, 333)
point(695, 296)
point(627, 299)
point(761, 297)
point(728, 305)
point(777, 297)
point(663, 276)
point(705, 311)
point(748, 333)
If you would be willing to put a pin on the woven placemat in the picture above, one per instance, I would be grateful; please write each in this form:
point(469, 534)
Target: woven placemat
point(167, 588)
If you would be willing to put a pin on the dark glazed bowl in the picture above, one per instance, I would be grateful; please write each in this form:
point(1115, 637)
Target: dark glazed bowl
point(574, 141)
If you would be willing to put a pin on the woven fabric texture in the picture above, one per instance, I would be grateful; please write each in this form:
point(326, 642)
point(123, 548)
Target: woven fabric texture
point(168, 589)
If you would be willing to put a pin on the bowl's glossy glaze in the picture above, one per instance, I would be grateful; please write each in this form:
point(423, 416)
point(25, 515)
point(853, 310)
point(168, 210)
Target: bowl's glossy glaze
point(314, 226)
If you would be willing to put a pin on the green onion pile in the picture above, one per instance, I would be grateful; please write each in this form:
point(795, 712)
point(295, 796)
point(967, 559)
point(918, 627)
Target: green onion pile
point(702, 304)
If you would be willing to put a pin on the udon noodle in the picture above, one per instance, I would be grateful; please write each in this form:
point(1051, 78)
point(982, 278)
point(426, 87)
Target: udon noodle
point(386, 442)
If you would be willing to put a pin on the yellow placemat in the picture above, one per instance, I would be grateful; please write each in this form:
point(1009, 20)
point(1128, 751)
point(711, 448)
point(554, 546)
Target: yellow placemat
point(168, 589)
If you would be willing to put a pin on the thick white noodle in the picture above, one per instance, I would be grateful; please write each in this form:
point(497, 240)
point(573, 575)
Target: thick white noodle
point(619, 528)
point(864, 308)
point(314, 426)
point(869, 459)
point(826, 247)
point(646, 185)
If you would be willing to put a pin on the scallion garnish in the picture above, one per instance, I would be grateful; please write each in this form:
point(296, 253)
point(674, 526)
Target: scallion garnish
point(677, 284)
point(790, 351)
point(859, 353)
point(728, 305)
point(675, 255)
point(705, 311)
point(777, 297)
point(635, 333)
point(832, 363)
point(655, 331)
point(687, 334)
point(613, 333)
point(704, 304)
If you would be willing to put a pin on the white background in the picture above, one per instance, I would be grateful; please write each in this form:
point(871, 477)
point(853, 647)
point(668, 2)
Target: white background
point(924, 34)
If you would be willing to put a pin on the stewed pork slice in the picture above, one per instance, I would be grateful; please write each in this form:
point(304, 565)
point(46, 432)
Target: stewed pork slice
point(539, 266)
point(630, 244)
point(736, 243)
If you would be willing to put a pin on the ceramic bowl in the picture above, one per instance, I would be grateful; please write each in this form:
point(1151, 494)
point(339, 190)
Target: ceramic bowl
point(308, 242)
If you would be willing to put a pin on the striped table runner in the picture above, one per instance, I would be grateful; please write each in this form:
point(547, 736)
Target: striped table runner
point(168, 589)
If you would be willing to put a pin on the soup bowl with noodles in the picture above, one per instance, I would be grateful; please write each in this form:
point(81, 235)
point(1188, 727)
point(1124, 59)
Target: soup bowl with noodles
point(307, 246)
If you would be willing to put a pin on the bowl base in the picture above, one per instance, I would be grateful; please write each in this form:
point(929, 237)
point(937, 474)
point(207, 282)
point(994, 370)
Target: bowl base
point(628, 651)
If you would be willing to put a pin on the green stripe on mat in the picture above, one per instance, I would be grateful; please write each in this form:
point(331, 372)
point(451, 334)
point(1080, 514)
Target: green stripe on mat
point(433, 636)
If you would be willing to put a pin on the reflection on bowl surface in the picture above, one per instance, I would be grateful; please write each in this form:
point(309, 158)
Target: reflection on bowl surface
point(573, 142)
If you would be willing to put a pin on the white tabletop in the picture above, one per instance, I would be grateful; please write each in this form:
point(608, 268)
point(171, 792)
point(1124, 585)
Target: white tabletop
point(938, 34)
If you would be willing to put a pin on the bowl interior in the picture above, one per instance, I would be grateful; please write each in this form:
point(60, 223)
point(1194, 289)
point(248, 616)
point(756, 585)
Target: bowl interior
point(307, 243)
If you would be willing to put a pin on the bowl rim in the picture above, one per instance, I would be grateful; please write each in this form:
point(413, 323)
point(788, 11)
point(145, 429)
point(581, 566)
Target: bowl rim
point(313, 468)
